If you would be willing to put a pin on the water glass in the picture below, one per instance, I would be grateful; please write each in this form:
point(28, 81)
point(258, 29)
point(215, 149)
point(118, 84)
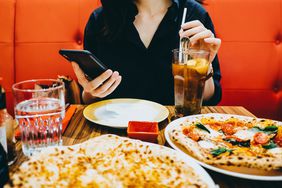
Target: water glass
point(39, 110)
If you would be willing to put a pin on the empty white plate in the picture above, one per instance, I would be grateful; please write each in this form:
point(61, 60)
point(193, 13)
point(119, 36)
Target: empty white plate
point(118, 112)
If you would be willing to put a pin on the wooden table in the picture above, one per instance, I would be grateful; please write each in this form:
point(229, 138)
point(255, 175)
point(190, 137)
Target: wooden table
point(79, 130)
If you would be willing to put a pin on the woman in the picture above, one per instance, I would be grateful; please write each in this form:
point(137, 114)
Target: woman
point(136, 38)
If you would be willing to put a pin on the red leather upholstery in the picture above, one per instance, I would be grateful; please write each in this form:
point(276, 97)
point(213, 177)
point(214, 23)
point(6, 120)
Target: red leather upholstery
point(44, 27)
point(7, 13)
point(251, 53)
point(250, 57)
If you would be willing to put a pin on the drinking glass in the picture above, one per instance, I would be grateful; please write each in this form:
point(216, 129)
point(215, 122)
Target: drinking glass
point(190, 68)
point(39, 110)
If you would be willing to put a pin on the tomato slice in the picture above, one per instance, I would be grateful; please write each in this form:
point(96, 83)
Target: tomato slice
point(215, 126)
point(194, 136)
point(261, 138)
point(228, 128)
point(189, 132)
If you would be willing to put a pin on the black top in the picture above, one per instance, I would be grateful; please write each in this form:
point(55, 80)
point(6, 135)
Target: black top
point(2, 98)
point(147, 72)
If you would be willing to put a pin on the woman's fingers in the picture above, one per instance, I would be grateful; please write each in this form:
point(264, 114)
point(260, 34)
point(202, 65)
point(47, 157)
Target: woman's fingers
point(191, 24)
point(112, 88)
point(191, 32)
point(214, 43)
point(106, 85)
point(197, 32)
point(101, 86)
point(79, 74)
point(211, 40)
point(101, 79)
point(204, 34)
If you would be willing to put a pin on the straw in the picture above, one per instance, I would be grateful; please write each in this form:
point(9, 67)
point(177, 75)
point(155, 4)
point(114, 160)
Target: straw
point(182, 22)
point(184, 16)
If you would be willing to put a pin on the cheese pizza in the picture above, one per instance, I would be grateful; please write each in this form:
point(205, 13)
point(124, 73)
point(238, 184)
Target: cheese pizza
point(107, 161)
point(232, 141)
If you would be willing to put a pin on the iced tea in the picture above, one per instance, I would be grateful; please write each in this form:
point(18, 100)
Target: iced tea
point(189, 83)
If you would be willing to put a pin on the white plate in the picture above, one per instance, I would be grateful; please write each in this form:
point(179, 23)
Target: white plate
point(118, 112)
point(241, 172)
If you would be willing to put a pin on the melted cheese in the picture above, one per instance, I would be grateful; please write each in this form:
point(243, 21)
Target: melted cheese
point(214, 133)
point(245, 134)
point(206, 144)
point(275, 151)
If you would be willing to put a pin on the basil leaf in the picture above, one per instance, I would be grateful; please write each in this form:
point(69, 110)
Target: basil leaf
point(219, 151)
point(235, 142)
point(201, 126)
point(244, 143)
point(270, 145)
point(271, 128)
point(257, 129)
point(231, 141)
point(220, 131)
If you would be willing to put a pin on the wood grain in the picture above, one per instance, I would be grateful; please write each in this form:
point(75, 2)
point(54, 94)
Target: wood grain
point(80, 129)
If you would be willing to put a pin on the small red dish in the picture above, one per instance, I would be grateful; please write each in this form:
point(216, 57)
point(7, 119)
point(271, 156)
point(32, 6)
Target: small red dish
point(143, 130)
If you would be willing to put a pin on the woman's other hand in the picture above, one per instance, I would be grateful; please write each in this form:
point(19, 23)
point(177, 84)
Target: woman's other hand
point(100, 86)
point(197, 33)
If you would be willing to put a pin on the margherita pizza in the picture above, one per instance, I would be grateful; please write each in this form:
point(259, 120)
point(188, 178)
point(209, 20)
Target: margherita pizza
point(107, 161)
point(249, 142)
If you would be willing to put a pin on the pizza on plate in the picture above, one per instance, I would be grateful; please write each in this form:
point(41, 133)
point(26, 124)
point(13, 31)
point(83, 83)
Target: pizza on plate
point(233, 141)
point(107, 161)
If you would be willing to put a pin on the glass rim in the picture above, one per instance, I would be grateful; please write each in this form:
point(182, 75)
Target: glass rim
point(14, 86)
point(192, 51)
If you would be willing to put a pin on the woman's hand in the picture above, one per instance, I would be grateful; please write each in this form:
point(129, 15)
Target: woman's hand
point(99, 87)
point(197, 33)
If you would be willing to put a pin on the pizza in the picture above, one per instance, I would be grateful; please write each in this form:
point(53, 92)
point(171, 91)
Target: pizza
point(231, 140)
point(107, 161)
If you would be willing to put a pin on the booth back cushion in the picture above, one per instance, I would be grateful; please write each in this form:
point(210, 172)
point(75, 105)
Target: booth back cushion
point(7, 13)
point(251, 53)
point(44, 27)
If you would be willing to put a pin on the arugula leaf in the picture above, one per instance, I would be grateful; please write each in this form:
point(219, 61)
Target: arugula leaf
point(235, 142)
point(270, 145)
point(218, 151)
point(201, 126)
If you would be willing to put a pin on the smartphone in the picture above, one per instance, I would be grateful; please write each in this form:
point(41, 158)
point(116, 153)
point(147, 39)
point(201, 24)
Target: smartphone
point(89, 64)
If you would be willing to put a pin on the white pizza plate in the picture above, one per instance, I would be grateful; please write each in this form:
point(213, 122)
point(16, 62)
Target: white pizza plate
point(240, 172)
point(200, 171)
point(117, 113)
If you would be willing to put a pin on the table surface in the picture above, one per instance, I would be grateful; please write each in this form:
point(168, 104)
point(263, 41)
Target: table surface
point(80, 129)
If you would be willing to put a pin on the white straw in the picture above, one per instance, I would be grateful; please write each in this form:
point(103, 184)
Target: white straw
point(182, 22)
point(184, 16)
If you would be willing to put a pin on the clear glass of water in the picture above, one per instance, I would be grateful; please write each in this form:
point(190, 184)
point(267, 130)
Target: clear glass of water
point(39, 110)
